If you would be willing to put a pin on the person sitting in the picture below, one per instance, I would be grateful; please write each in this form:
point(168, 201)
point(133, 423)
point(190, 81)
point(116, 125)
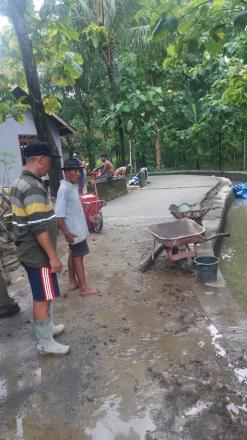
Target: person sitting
point(106, 169)
point(123, 171)
point(140, 178)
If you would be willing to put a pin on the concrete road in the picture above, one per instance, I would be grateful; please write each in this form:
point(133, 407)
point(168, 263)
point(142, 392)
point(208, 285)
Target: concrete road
point(152, 202)
point(146, 363)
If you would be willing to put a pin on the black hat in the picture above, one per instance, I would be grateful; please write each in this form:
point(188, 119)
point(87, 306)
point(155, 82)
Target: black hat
point(72, 164)
point(39, 149)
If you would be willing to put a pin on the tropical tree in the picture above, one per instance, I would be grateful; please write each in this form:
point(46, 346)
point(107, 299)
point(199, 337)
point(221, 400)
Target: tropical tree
point(105, 24)
point(161, 79)
point(25, 24)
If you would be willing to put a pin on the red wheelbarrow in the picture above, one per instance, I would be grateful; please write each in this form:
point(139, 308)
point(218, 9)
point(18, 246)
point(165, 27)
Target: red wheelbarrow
point(92, 207)
point(179, 239)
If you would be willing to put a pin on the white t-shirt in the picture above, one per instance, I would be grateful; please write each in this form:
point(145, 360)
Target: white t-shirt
point(69, 207)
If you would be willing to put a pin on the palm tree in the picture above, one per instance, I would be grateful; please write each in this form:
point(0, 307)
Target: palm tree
point(113, 16)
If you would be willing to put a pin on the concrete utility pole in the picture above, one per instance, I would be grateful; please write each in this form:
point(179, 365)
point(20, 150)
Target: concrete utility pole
point(8, 306)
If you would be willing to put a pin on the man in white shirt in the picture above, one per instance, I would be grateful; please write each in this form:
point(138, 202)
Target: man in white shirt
point(72, 222)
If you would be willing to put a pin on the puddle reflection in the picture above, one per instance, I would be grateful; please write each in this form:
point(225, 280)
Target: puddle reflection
point(30, 379)
point(112, 425)
point(3, 388)
point(19, 428)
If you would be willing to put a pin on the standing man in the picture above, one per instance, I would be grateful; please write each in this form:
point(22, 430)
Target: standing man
point(82, 174)
point(72, 222)
point(35, 230)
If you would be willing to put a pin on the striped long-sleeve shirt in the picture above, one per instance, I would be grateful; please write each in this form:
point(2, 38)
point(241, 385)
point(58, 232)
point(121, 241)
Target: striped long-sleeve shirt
point(32, 213)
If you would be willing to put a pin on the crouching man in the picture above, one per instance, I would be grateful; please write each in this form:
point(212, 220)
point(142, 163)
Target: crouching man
point(35, 230)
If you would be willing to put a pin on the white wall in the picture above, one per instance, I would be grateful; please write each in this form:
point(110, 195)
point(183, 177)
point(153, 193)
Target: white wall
point(9, 142)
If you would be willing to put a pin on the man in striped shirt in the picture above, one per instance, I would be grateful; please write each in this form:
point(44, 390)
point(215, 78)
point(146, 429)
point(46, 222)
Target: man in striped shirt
point(35, 230)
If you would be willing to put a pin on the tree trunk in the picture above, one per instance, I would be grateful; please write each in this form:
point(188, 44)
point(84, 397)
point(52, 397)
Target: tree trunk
point(197, 159)
point(108, 58)
point(90, 150)
point(17, 15)
point(116, 149)
point(134, 155)
point(157, 151)
point(121, 140)
point(245, 137)
point(220, 151)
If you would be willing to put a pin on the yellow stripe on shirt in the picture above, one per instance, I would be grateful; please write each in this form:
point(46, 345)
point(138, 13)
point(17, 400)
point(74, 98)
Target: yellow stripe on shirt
point(33, 208)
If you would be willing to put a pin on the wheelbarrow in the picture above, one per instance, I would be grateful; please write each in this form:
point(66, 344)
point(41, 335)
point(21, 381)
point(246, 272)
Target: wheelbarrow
point(92, 207)
point(179, 239)
point(187, 211)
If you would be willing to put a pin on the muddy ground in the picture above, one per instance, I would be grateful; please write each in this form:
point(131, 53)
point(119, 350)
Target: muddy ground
point(143, 361)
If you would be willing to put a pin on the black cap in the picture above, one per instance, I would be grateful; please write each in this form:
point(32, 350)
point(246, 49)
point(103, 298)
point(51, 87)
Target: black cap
point(72, 164)
point(39, 149)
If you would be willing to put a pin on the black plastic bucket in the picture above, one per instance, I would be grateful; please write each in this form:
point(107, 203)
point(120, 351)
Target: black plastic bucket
point(207, 268)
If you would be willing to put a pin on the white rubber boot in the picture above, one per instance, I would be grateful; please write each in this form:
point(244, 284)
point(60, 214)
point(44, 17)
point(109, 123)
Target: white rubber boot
point(56, 329)
point(45, 342)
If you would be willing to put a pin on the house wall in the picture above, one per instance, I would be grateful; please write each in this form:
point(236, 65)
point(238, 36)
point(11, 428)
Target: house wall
point(9, 143)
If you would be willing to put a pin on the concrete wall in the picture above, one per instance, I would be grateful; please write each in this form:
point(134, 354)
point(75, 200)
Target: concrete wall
point(234, 176)
point(9, 142)
point(109, 190)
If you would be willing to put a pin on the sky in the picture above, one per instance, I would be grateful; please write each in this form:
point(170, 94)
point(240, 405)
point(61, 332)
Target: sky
point(37, 5)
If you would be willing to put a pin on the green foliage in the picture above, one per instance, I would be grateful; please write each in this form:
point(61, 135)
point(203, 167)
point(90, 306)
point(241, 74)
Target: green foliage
point(96, 35)
point(52, 35)
point(51, 104)
point(11, 107)
point(167, 69)
point(6, 159)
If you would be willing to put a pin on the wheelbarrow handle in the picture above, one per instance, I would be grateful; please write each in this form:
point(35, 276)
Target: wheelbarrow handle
point(220, 234)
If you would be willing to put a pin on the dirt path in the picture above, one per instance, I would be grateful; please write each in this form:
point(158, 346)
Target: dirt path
point(143, 364)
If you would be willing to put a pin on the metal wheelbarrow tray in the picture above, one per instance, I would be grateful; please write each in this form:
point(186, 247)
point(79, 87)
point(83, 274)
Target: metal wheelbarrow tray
point(187, 211)
point(177, 236)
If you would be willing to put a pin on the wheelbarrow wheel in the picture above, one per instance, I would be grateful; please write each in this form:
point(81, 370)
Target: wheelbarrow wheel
point(97, 222)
